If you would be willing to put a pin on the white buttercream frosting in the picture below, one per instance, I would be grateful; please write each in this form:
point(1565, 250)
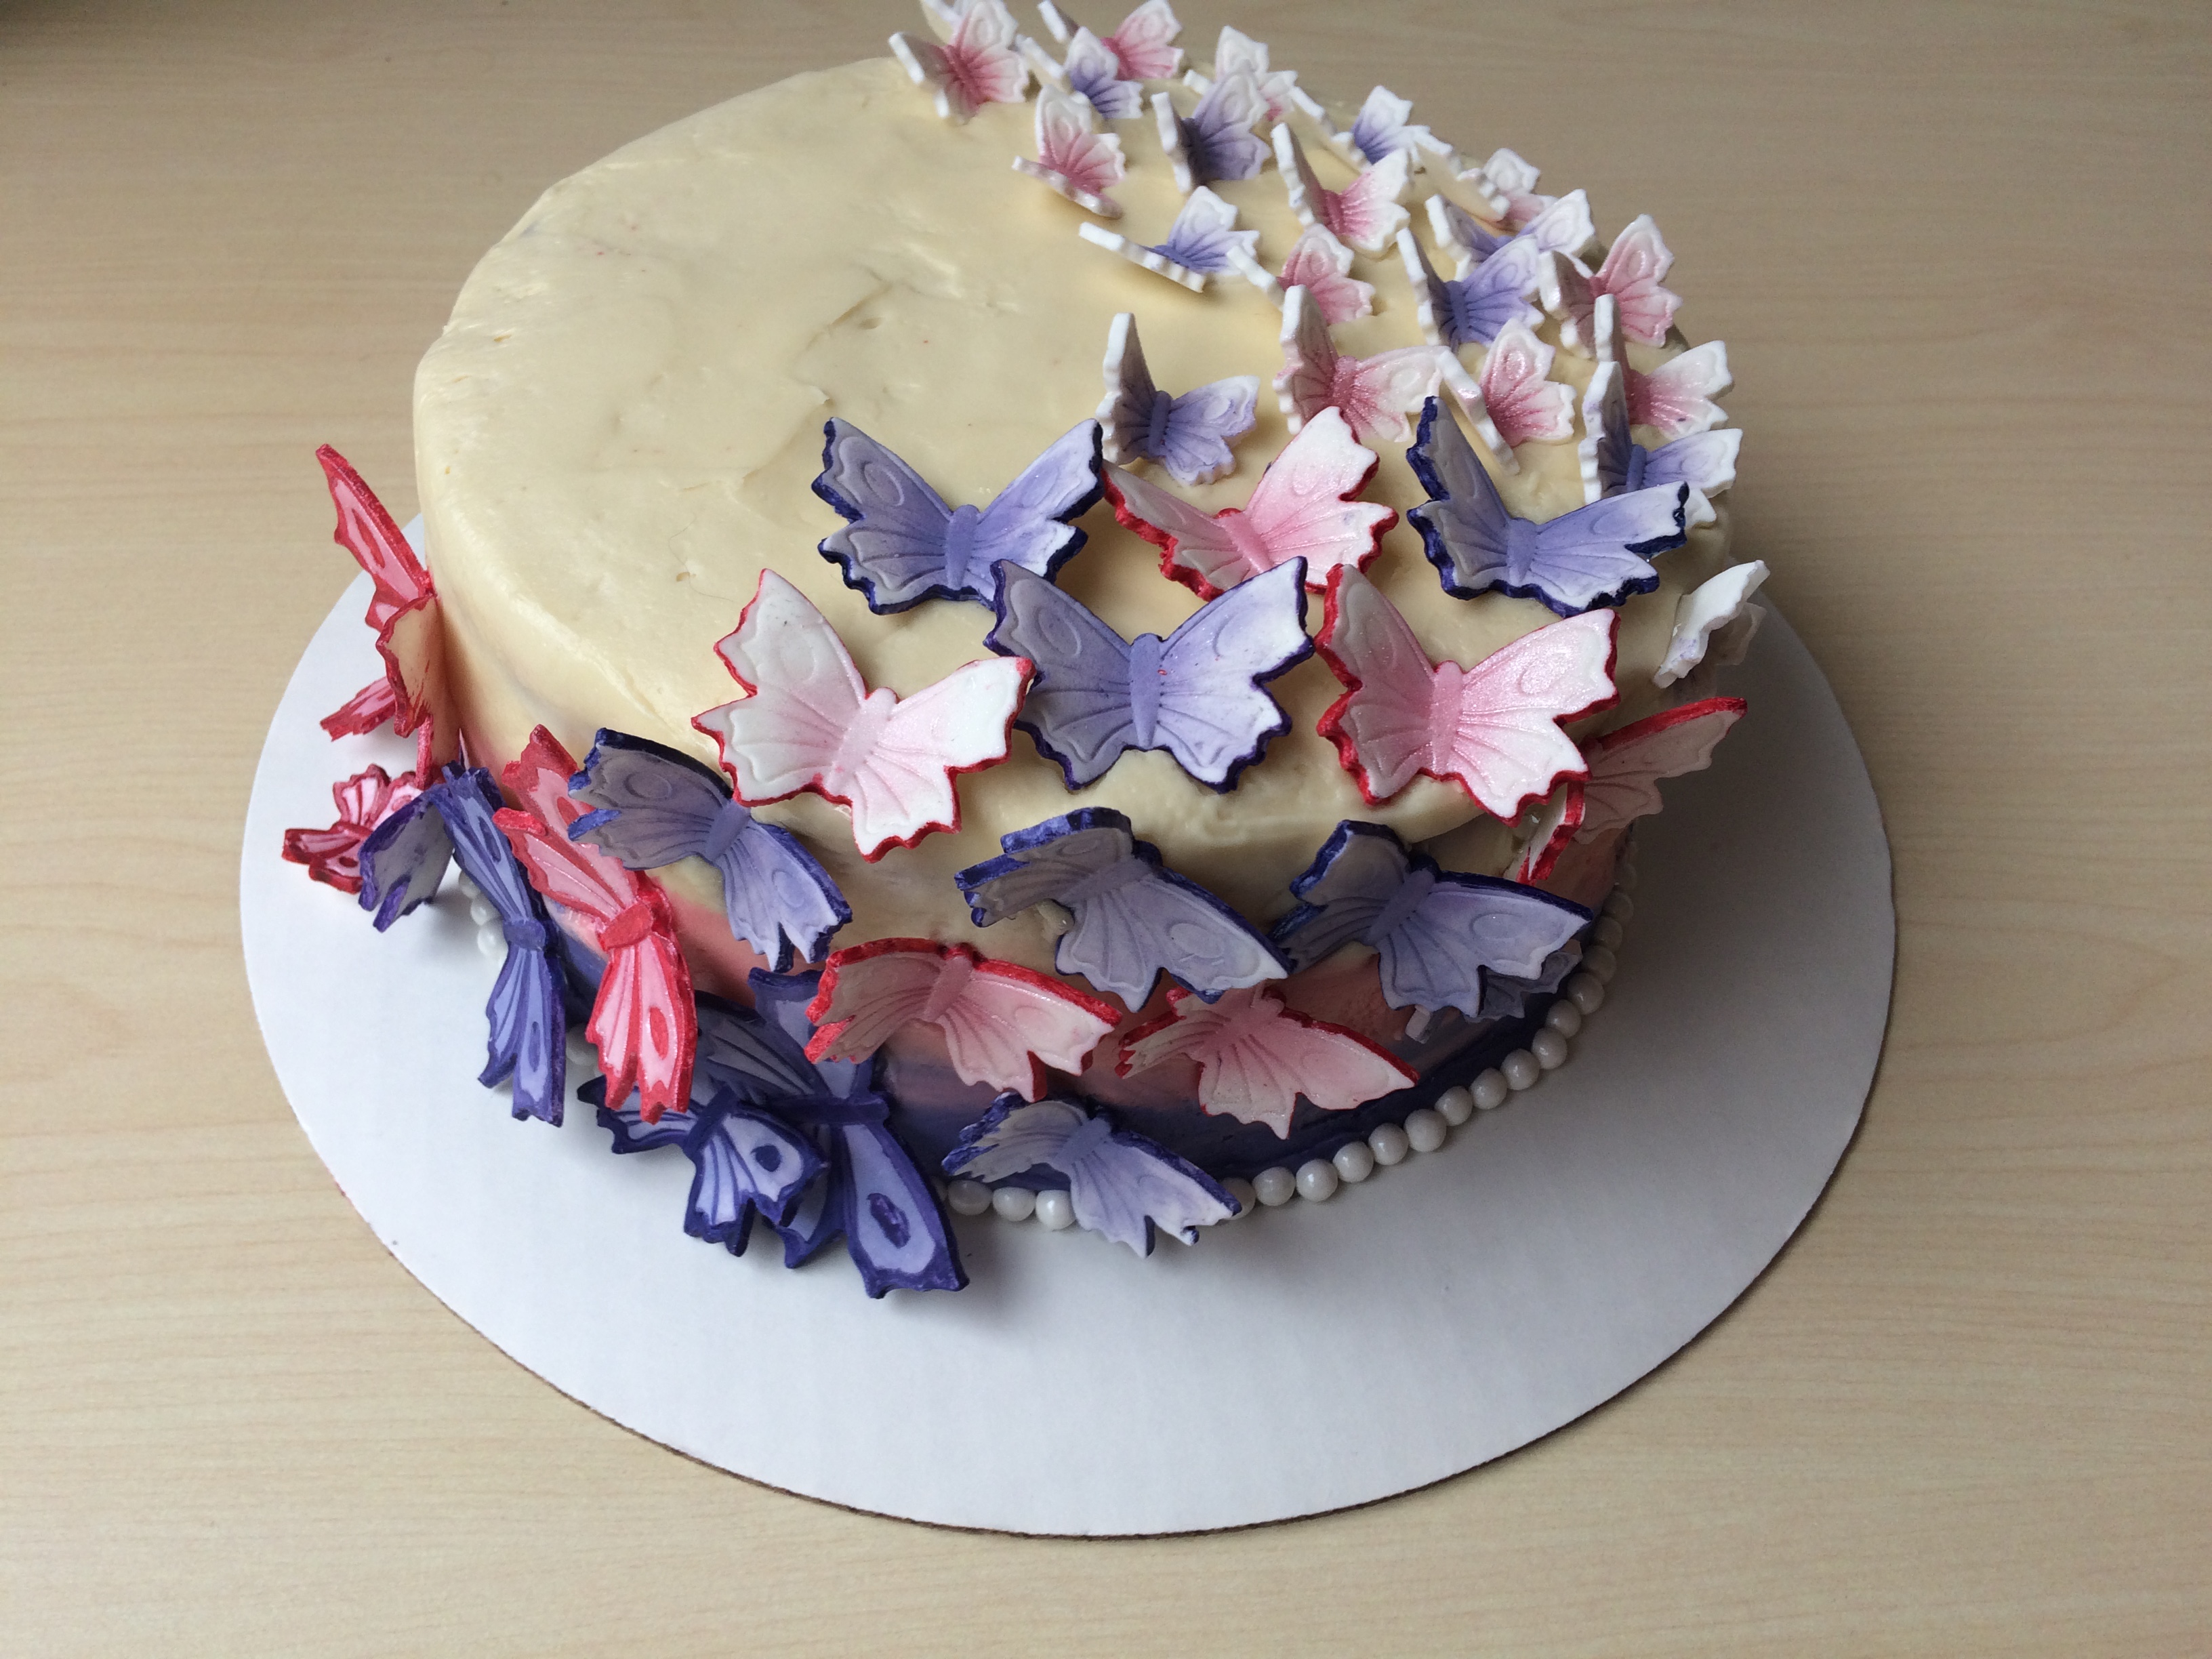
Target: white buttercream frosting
point(618, 430)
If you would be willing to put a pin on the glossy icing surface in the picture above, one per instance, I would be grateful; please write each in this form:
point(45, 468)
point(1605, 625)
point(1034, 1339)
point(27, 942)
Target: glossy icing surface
point(619, 429)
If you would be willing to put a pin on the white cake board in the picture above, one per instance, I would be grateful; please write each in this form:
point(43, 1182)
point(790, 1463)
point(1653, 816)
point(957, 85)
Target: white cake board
point(1442, 1314)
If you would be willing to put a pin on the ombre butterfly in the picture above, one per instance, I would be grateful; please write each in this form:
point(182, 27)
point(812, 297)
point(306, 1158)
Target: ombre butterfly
point(1364, 213)
point(1475, 308)
point(1143, 45)
point(363, 801)
point(1131, 918)
point(1322, 265)
point(1196, 694)
point(1090, 72)
point(1202, 243)
point(902, 543)
point(809, 721)
point(1493, 729)
point(1237, 53)
point(1216, 141)
point(1301, 508)
point(980, 64)
point(1189, 436)
point(1613, 462)
point(1071, 159)
point(1384, 127)
point(1374, 393)
point(1632, 274)
point(1563, 228)
point(1705, 612)
point(1121, 1186)
point(1595, 555)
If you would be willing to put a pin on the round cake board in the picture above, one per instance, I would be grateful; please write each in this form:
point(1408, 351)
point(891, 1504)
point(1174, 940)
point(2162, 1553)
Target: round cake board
point(1442, 1313)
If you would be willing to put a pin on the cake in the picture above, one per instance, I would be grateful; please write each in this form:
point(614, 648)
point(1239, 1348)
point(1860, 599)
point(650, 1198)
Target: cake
point(992, 628)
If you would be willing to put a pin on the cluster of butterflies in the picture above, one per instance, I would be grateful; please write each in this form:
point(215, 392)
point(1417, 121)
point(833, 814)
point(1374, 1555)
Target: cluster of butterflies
point(779, 1107)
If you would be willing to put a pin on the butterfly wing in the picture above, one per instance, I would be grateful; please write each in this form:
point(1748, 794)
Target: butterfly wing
point(368, 532)
point(743, 1160)
point(804, 696)
point(1633, 272)
point(1212, 716)
point(1321, 264)
point(1145, 46)
point(1200, 425)
point(333, 855)
point(1353, 880)
point(1676, 398)
point(402, 860)
point(1609, 457)
point(1366, 212)
point(1124, 1187)
point(1007, 1023)
point(1097, 76)
point(1466, 927)
point(895, 1230)
point(1705, 461)
point(1255, 1058)
point(1217, 139)
point(1625, 766)
point(1477, 306)
point(1385, 126)
point(1302, 507)
point(1465, 529)
point(978, 65)
point(1705, 612)
point(1027, 523)
point(1596, 556)
point(1079, 707)
point(1503, 742)
point(654, 805)
point(1523, 401)
point(1555, 827)
point(1127, 936)
point(893, 548)
point(1204, 238)
point(868, 992)
point(900, 786)
point(1202, 550)
point(1124, 413)
point(1383, 725)
point(1013, 1137)
point(1306, 384)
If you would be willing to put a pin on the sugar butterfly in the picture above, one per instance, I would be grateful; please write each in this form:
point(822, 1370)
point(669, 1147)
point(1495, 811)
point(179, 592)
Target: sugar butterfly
point(1216, 141)
point(1613, 461)
point(1632, 274)
point(1301, 508)
point(1120, 1185)
point(1237, 53)
point(1091, 73)
point(1475, 308)
point(1189, 436)
point(981, 65)
point(1202, 243)
point(1711, 608)
point(1322, 265)
point(1493, 729)
point(1080, 164)
point(902, 543)
point(1385, 127)
point(1364, 213)
point(403, 610)
point(809, 721)
point(1373, 392)
point(1143, 45)
point(1196, 694)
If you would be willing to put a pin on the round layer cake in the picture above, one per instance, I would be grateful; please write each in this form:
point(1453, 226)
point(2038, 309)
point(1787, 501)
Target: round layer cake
point(622, 428)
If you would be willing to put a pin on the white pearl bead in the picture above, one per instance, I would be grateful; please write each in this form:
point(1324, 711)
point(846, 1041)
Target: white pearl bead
point(1607, 934)
point(1425, 1130)
point(1014, 1203)
point(1354, 1160)
point(1317, 1179)
point(1387, 1142)
point(1275, 1187)
point(1586, 992)
point(492, 940)
point(1600, 964)
point(1491, 1090)
point(1520, 1070)
point(1055, 1210)
point(1624, 876)
point(480, 910)
point(967, 1197)
point(1563, 1017)
point(1619, 905)
point(1550, 1049)
point(1456, 1106)
point(1241, 1189)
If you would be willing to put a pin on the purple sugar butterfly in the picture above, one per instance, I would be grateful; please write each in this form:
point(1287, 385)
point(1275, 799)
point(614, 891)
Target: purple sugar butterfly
point(1471, 309)
point(1613, 461)
point(839, 1171)
point(1093, 74)
point(1216, 141)
point(1120, 1185)
point(1592, 556)
point(1195, 694)
point(902, 544)
point(1565, 226)
point(1507, 996)
point(1133, 918)
point(1439, 934)
point(655, 805)
point(1202, 243)
point(527, 1012)
point(1189, 436)
point(1383, 127)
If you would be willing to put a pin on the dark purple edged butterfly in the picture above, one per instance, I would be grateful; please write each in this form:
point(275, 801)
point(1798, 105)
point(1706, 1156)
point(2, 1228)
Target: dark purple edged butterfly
point(655, 804)
point(902, 544)
point(1196, 694)
point(1121, 1185)
point(1591, 558)
point(862, 1185)
point(1133, 918)
point(1440, 935)
point(531, 1003)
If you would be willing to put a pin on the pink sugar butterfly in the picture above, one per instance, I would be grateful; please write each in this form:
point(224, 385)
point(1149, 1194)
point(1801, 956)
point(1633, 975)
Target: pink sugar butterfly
point(1632, 273)
point(1627, 766)
point(810, 722)
point(364, 800)
point(1493, 729)
point(1524, 405)
point(1080, 164)
point(1002, 1025)
point(1322, 265)
point(1675, 399)
point(1364, 213)
point(1143, 45)
point(1374, 393)
point(981, 65)
point(403, 610)
point(1256, 1057)
point(1301, 508)
point(643, 1022)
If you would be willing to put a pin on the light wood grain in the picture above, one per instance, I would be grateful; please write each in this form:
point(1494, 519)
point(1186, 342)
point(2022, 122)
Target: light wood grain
point(1959, 256)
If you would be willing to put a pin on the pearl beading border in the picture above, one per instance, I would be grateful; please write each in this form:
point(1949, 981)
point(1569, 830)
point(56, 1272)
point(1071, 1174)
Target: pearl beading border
point(1426, 1128)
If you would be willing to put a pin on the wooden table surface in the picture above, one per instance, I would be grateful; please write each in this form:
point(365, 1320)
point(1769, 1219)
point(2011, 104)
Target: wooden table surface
point(1959, 255)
